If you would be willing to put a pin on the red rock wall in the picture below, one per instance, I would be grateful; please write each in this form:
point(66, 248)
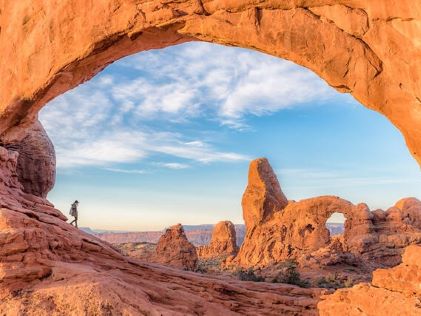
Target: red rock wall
point(370, 49)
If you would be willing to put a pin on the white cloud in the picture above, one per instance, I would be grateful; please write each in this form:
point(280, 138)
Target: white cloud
point(130, 171)
point(340, 178)
point(106, 120)
point(174, 165)
point(232, 82)
point(86, 134)
point(107, 149)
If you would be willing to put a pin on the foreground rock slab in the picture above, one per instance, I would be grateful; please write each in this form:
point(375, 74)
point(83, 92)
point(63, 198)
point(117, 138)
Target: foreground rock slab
point(394, 292)
point(48, 267)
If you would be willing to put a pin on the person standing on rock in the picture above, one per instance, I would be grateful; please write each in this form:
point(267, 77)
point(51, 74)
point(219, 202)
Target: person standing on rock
point(74, 212)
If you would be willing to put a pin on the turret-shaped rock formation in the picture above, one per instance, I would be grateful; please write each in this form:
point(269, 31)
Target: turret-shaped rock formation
point(175, 250)
point(263, 196)
point(222, 244)
point(278, 230)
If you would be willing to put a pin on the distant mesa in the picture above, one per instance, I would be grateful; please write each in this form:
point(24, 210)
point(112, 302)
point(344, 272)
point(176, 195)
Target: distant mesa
point(198, 235)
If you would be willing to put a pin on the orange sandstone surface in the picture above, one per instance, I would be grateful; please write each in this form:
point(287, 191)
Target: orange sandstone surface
point(393, 292)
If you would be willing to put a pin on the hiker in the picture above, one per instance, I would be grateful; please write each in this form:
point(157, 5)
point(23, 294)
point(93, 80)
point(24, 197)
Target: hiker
point(73, 212)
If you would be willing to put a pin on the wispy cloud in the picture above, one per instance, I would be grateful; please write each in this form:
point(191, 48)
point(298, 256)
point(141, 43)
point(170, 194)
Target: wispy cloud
point(340, 178)
point(173, 165)
point(231, 82)
point(129, 171)
point(122, 116)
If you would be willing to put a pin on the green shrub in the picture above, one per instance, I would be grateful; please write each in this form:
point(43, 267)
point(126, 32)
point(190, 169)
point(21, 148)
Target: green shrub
point(248, 275)
point(209, 265)
point(349, 282)
point(289, 274)
point(334, 281)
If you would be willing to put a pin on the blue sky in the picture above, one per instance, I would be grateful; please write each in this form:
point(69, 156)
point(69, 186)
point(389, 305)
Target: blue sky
point(165, 136)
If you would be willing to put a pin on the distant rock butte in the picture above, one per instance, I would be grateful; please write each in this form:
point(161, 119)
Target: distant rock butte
point(198, 235)
point(173, 249)
point(278, 230)
point(223, 243)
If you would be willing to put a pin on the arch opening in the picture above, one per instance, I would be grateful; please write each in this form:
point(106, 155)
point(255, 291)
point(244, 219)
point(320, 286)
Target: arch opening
point(335, 224)
point(284, 88)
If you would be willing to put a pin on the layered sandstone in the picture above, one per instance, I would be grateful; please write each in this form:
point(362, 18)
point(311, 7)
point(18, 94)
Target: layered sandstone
point(173, 249)
point(297, 230)
point(223, 243)
point(394, 291)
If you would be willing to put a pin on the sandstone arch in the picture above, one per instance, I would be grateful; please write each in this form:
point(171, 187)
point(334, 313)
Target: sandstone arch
point(369, 49)
point(315, 212)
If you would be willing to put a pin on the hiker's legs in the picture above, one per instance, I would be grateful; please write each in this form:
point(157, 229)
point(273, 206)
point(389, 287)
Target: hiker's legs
point(75, 221)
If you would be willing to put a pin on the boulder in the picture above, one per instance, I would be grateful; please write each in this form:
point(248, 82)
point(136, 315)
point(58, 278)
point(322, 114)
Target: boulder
point(36, 164)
